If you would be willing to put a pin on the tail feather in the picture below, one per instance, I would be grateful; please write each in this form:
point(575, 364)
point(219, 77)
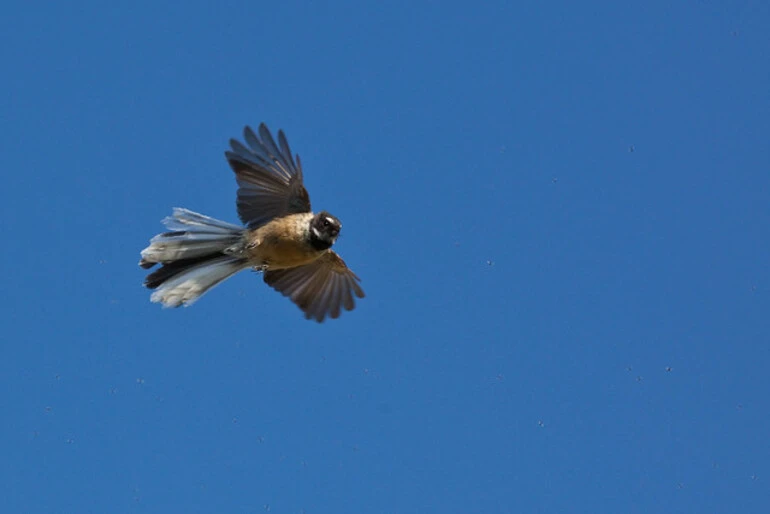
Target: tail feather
point(185, 286)
point(196, 254)
point(191, 235)
point(174, 246)
point(168, 270)
point(184, 218)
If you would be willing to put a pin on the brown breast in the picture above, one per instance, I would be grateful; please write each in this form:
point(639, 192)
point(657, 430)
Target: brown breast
point(282, 243)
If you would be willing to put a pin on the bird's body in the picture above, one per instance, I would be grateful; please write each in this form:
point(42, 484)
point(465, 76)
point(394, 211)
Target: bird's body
point(283, 238)
point(275, 245)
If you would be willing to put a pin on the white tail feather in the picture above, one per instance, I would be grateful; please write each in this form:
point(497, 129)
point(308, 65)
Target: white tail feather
point(193, 235)
point(186, 287)
point(184, 219)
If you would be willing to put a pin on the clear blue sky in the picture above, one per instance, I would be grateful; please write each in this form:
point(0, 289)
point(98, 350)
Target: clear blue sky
point(559, 210)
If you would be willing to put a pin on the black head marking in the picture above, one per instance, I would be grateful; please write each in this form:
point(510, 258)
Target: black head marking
point(324, 229)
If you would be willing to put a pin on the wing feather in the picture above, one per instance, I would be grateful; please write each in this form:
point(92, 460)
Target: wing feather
point(269, 179)
point(322, 288)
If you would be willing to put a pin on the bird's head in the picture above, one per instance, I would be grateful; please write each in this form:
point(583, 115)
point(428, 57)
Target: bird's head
point(324, 229)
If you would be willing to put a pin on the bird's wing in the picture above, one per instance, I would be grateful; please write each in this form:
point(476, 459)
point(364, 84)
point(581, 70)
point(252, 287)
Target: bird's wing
point(320, 288)
point(269, 178)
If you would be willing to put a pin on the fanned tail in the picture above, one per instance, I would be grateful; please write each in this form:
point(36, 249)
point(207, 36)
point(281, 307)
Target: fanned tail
point(196, 254)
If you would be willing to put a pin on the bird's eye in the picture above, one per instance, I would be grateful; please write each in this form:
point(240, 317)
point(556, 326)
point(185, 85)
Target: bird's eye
point(326, 223)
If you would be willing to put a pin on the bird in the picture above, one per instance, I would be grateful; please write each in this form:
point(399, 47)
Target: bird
point(280, 237)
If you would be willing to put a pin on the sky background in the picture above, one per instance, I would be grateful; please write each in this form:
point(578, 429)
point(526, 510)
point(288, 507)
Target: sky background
point(559, 210)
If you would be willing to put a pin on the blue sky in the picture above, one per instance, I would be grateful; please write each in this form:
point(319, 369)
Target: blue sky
point(559, 212)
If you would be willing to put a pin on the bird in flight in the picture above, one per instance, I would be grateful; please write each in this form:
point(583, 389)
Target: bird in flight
point(282, 238)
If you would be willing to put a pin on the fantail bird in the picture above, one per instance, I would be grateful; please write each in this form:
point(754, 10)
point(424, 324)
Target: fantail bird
point(282, 238)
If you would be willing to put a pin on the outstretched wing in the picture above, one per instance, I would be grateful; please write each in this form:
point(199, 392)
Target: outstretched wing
point(320, 288)
point(269, 179)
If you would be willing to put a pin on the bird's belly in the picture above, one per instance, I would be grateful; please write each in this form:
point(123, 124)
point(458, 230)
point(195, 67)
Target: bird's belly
point(280, 254)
